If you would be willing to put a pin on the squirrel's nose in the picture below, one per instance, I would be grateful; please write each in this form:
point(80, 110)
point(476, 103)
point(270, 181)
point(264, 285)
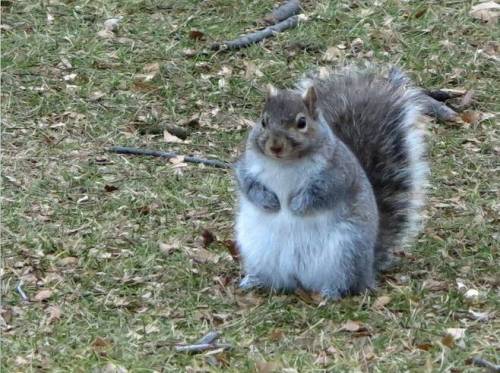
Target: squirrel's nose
point(276, 149)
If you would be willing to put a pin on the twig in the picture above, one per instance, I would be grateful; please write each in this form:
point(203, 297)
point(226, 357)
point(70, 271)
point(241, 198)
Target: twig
point(206, 342)
point(257, 36)
point(284, 11)
point(437, 109)
point(202, 347)
point(209, 338)
point(168, 155)
point(480, 362)
point(21, 292)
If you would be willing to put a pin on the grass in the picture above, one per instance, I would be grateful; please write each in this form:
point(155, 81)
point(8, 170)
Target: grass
point(87, 225)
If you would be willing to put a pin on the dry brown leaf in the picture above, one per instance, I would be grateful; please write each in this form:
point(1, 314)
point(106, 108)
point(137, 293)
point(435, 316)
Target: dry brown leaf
point(167, 248)
point(435, 285)
point(471, 117)
point(310, 297)
point(100, 344)
point(54, 313)
point(151, 67)
point(248, 300)
point(487, 11)
point(448, 341)
point(456, 333)
point(267, 367)
point(69, 260)
point(353, 326)
point(111, 368)
point(332, 54)
point(43, 295)
point(196, 35)
point(276, 335)
point(202, 256)
point(112, 24)
point(252, 70)
point(466, 99)
point(168, 137)
point(481, 316)
point(233, 249)
point(207, 238)
point(381, 302)
point(424, 346)
point(106, 34)
point(322, 359)
point(96, 96)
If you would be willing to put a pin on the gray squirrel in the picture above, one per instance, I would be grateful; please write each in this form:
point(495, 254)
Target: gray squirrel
point(331, 182)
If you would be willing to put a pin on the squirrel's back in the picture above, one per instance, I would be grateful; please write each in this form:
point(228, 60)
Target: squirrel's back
point(378, 116)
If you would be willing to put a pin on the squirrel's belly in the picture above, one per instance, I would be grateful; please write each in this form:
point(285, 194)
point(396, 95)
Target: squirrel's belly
point(278, 246)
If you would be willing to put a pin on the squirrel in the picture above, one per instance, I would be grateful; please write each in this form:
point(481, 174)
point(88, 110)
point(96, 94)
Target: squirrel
point(332, 181)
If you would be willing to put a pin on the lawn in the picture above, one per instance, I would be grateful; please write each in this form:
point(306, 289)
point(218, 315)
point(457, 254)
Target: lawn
point(113, 252)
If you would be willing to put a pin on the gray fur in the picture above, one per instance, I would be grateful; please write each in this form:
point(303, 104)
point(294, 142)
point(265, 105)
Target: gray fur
point(343, 192)
point(256, 192)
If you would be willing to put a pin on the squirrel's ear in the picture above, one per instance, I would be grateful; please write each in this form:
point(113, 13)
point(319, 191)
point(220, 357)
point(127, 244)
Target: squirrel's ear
point(310, 98)
point(271, 90)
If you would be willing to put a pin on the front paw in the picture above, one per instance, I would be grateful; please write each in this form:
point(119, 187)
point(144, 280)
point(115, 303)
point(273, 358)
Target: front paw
point(298, 203)
point(270, 202)
point(250, 282)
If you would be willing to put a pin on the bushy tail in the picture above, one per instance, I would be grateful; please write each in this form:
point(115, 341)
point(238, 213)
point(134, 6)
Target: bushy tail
point(379, 116)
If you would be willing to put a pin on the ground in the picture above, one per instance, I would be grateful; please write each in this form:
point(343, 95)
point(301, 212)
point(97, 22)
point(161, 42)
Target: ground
point(113, 252)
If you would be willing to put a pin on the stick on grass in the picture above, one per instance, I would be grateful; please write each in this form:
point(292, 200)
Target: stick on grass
point(257, 36)
point(286, 10)
point(168, 155)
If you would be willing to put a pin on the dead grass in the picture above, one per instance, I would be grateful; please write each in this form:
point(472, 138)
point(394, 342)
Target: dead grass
point(87, 225)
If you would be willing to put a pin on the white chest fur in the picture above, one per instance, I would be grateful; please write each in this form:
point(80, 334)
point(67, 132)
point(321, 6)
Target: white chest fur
point(283, 249)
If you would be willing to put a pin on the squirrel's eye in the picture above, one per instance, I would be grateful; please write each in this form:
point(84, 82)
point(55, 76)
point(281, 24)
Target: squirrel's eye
point(263, 122)
point(301, 123)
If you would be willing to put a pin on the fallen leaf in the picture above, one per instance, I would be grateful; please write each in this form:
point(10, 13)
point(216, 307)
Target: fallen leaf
point(448, 341)
point(151, 67)
point(168, 137)
point(353, 326)
point(110, 188)
point(251, 70)
point(487, 11)
point(233, 249)
point(471, 295)
point(54, 313)
point(481, 316)
point(96, 96)
point(176, 160)
point(189, 52)
point(43, 295)
point(276, 335)
point(381, 302)
point(112, 24)
point(106, 34)
point(471, 117)
point(466, 99)
point(332, 54)
point(456, 333)
point(202, 256)
point(322, 359)
point(67, 261)
point(196, 35)
point(100, 344)
point(424, 346)
point(208, 238)
point(267, 367)
point(435, 285)
point(248, 300)
point(167, 249)
point(310, 297)
point(111, 368)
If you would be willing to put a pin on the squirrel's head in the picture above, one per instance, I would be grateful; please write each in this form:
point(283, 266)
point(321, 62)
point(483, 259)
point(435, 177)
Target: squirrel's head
point(289, 127)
